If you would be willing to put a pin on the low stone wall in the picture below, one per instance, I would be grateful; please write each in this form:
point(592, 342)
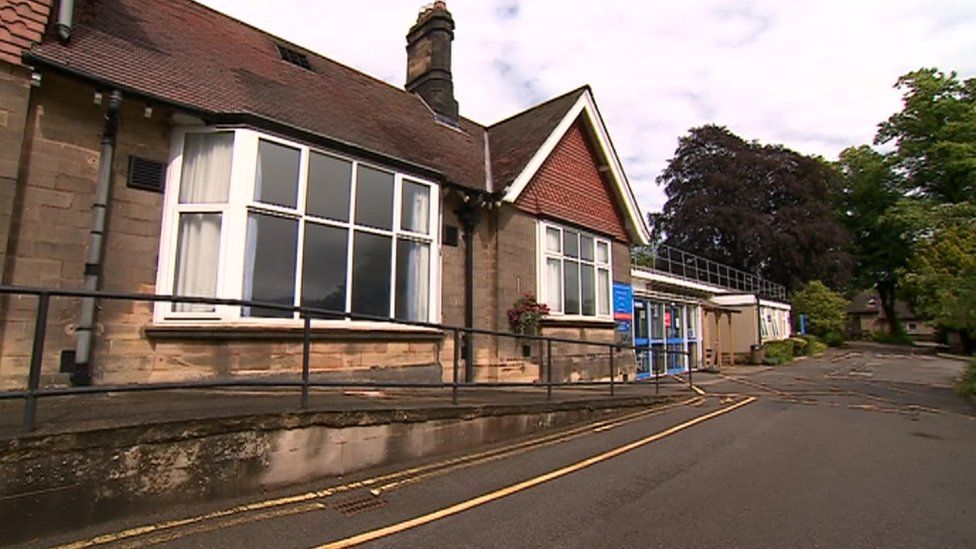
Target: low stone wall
point(63, 482)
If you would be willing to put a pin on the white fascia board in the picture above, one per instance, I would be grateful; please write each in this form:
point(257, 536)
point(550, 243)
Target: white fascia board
point(663, 278)
point(735, 300)
point(585, 104)
point(775, 304)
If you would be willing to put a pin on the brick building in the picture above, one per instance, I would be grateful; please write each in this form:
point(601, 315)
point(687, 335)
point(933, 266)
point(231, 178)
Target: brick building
point(162, 147)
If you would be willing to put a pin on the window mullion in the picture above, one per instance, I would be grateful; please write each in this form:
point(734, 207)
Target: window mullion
point(350, 267)
point(243, 165)
point(397, 211)
point(303, 167)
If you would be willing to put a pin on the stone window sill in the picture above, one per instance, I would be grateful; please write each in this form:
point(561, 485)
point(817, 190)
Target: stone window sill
point(576, 322)
point(321, 331)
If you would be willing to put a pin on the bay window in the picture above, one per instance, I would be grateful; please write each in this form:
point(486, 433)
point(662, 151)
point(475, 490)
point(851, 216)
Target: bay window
point(259, 218)
point(575, 272)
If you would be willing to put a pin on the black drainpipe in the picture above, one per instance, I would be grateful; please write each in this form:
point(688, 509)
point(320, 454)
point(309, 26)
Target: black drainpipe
point(82, 374)
point(469, 213)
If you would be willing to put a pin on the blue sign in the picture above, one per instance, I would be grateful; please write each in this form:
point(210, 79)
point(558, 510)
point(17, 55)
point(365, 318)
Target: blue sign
point(623, 306)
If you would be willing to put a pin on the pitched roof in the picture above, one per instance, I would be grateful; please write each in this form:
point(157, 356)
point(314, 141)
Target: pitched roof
point(184, 53)
point(868, 302)
point(22, 23)
point(515, 140)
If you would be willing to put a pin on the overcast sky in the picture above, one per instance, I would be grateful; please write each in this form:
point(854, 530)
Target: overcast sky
point(816, 76)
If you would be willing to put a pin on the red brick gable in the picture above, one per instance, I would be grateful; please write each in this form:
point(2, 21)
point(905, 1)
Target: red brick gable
point(22, 23)
point(569, 187)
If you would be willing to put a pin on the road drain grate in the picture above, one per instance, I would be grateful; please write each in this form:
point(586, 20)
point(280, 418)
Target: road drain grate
point(359, 505)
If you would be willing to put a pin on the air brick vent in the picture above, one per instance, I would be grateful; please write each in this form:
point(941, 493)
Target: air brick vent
point(145, 174)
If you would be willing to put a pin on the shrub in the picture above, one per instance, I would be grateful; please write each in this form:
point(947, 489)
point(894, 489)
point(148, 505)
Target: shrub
point(799, 346)
point(815, 346)
point(825, 309)
point(833, 339)
point(900, 338)
point(778, 352)
point(967, 385)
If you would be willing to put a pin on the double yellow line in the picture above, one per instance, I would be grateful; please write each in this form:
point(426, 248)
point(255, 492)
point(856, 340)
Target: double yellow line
point(524, 485)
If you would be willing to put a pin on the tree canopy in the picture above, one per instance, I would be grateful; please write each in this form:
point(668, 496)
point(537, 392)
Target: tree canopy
point(760, 208)
point(935, 134)
point(824, 308)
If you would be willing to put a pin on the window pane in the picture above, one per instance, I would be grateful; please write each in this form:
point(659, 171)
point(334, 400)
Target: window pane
point(328, 186)
point(197, 256)
point(371, 274)
point(324, 267)
point(206, 167)
point(586, 248)
point(269, 263)
point(554, 285)
point(603, 292)
point(602, 253)
point(571, 283)
point(657, 321)
point(412, 280)
point(571, 244)
point(415, 210)
point(374, 198)
point(276, 180)
point(588, 287)
point(552, 240)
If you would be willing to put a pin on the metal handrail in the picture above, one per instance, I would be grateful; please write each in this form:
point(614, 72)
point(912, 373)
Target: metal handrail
point(306, 314)
point(688, 266)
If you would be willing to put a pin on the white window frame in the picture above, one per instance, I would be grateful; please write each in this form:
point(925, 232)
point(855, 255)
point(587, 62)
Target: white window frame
point(542, 254)
point(241, 202)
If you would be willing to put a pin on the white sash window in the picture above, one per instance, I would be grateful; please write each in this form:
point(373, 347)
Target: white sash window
point(259, 218)
point(575, 272)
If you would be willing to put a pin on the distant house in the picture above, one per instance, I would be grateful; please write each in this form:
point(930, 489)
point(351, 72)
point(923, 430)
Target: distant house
point(865, 316)
point(158, 146)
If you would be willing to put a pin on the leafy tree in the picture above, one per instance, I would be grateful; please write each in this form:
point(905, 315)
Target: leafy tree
point(940, 277)
point(825, 309)
point(869, 186)
point(935, 134)
point(760, 208)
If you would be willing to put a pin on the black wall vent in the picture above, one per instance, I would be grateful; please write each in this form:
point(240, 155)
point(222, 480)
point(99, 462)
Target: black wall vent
point(450, 236)
point(146, 174)
point(294, 57)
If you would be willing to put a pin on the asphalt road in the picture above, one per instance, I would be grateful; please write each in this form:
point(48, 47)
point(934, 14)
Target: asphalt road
point(867, 448)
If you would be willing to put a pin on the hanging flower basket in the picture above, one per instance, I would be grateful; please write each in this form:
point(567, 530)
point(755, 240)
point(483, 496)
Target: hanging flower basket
point(525, 314)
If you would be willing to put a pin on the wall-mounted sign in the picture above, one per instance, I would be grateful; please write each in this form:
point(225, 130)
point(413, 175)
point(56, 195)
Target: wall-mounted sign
point(623, 306)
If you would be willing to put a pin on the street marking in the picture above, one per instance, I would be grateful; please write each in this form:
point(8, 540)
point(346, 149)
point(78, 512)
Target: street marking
point(524, 485)
point(695, 388)
point(418, 472)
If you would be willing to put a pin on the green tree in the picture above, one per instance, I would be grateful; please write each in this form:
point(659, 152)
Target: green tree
point(761, 208)
point(824, 308)
point(935, 134)
point(868, 188)
point(940, 277)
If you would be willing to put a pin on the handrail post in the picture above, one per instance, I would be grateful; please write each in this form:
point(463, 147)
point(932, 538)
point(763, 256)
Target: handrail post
point(690, 384)
point(613, 371)
point(306, 350)
point(549, 369)
point(657, 376)
point(37, 356)
point(457, 366)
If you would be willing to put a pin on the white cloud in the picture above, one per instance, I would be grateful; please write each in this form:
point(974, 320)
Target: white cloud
point(815, 76)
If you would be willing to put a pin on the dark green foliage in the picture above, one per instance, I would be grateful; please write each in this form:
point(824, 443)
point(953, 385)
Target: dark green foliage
point(967, 385)
point(799, 346)
point(815, 346)
point(898, 338)
point(935, 134)
point(868, 188)
point(834, 339)
point(761, 208)
point(778, 352)
point(824, 308)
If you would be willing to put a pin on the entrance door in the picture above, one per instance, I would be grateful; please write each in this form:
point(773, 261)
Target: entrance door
point(675, 326)
point(641, 341)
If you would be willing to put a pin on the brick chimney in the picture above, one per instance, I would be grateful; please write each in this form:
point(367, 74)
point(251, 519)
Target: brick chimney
point(429, 60)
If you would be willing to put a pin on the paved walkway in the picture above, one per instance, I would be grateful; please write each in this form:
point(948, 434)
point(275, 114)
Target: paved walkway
point(87, 412)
